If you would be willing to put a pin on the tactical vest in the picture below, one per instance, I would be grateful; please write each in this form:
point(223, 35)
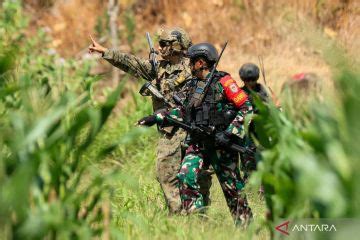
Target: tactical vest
point(214, 111)
point(171, 78)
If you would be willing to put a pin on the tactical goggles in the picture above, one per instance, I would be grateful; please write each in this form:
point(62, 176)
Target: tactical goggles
point(163, 43)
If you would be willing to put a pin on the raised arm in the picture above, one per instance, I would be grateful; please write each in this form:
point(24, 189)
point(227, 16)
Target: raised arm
point(127, 62)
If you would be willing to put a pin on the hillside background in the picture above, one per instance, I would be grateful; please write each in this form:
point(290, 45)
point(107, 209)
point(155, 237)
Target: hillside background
point(70, 149)
point(273, 29)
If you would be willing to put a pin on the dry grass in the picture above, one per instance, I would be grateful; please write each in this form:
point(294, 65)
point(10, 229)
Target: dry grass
point(253, 27)
point(69, 23)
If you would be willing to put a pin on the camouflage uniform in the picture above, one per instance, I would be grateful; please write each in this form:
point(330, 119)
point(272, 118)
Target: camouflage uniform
point(249, 72)
point(168, 78)
point(203, 150)
point(249, 162)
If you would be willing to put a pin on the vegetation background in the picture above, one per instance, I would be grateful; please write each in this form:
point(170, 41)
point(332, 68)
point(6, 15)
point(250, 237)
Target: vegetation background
point(73, 165)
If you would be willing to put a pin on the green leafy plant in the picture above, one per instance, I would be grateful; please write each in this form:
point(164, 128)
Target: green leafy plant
point(48, 122)
point(310, 162)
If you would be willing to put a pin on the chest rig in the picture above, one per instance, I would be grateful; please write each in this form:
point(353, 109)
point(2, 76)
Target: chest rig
point(214, 110)
point(170, 78)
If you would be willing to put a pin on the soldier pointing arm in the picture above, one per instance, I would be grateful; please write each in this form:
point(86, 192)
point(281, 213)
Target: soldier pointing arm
point(171, 74)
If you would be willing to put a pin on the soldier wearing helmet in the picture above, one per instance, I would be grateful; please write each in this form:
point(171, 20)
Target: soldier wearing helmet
point(168, 76)
point(299, 92)
point(249, 74)
point(222, 110)
point(304, 81)
point(173, 41)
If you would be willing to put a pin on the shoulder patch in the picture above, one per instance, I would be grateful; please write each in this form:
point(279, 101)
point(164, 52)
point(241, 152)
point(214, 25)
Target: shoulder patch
point(232, 91)
point(226, 80)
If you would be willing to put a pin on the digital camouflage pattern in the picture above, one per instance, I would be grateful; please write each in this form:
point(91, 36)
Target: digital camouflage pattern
point(177, 36)
point(168, 78)
point(167, 167)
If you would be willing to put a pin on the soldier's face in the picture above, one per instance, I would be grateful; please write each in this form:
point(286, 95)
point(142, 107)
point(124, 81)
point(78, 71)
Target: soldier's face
point(164, 48)
point(250, 84)
point(196, 66)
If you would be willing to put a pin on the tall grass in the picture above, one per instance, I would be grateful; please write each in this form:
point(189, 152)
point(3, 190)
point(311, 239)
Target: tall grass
point(70, 167)
point(48, 122)
point(311, 157)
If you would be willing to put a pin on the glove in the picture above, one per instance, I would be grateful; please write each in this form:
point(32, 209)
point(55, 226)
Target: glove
point(222, 138)
point(147, 121)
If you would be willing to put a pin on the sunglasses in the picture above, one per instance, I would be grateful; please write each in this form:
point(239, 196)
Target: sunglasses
point(163, 43)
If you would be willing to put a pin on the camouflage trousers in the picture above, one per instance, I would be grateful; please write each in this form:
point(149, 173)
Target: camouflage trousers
point(167, 168)
point(225, 164)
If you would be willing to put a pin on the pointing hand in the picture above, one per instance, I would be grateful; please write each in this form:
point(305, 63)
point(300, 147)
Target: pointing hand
point(96, 47)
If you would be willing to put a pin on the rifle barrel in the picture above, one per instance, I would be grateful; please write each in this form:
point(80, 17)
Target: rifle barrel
point(207, 85)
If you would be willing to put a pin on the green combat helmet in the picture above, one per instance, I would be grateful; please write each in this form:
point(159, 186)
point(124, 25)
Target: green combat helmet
point(177, 37)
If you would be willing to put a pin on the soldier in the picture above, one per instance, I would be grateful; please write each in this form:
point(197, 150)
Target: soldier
point(302, 82)
point(220, 112)
point(249, 74)
point(299, 92)
point(168, 76)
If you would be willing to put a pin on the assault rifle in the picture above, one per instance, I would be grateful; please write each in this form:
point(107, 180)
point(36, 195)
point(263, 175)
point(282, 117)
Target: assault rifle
point(149, 89)
point(206, 132)
point(152, 53)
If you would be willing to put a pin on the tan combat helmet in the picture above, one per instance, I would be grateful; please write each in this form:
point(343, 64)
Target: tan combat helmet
point(302, 81)
point(177, 37)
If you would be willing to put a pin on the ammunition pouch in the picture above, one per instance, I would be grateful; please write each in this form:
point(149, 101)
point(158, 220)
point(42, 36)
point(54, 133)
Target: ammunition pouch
point(207, 115)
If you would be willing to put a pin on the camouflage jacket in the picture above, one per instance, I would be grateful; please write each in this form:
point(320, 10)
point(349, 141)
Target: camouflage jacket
point(169, 78)
point(228, 94)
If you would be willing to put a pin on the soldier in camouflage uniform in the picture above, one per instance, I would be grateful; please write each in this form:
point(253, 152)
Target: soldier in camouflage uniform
point(222, 110)
point(249, 74)
point(169, 76)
